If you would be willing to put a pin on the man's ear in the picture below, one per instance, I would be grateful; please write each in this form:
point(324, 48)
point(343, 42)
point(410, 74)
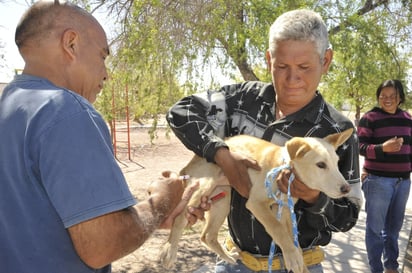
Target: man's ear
point(70, 40)
point(327, 60)
point(268, 61)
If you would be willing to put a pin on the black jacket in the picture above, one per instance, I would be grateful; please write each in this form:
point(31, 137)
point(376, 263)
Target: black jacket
point(203, 120)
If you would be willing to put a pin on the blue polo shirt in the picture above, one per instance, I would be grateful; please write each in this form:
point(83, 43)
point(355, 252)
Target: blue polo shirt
point(57, 169)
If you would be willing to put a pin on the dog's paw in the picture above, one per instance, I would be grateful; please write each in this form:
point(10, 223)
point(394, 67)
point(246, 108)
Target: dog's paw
point(234, 254)
point(294, 262)
point(230, 259)
point(231, 256)
point(168, 256)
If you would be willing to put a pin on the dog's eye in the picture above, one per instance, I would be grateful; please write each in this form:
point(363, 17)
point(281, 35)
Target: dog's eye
point(321, 165)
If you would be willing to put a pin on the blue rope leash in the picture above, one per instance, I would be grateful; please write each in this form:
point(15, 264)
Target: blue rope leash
point(277, 196)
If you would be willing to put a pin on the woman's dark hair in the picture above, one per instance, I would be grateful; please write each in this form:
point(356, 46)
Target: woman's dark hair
point(396, 84)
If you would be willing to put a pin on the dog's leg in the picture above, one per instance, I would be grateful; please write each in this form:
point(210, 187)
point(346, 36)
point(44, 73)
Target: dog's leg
point(213, 222)
point(168, 254)
point(280, 232)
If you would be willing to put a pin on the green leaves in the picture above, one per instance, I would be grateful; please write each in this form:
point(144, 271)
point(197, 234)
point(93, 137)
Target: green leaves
point(164, 46)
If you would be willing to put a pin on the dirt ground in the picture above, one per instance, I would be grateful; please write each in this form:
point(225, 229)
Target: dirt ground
point(148, 161)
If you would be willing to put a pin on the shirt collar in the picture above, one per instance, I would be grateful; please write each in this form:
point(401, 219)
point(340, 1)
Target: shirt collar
point(312, 112)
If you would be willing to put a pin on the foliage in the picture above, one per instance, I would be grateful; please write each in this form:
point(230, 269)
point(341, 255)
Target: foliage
point(368, 50)
point(163, 42)
point(163, 46)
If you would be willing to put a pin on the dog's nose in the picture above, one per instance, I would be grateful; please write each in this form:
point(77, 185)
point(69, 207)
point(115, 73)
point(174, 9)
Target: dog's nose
point(345, 189)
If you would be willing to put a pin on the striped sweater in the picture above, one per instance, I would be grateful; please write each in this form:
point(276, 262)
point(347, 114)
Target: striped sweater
point(377, 126)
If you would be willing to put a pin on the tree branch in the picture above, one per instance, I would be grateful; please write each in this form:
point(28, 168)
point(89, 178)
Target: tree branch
point(367, 7)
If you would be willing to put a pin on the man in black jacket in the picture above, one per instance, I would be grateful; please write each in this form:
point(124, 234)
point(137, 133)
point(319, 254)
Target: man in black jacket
point(298, 56)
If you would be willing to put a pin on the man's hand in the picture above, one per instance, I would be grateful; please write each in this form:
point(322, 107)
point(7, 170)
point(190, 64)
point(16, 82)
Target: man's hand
point(172, 188)
point(198, 213)
point(235, 167)
point(180, 208)
point(297, 188)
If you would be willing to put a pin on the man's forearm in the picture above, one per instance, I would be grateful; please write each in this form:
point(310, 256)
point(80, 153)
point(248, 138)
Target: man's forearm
point(107, 238)
point(149, 215)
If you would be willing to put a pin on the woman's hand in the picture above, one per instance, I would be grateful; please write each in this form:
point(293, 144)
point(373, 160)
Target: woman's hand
point(392, 145)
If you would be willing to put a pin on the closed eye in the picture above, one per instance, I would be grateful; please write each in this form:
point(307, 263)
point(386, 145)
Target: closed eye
point(321, 165)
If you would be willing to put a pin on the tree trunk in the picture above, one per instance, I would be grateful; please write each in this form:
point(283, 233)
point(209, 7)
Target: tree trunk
point(357, 115)
point(246, 71)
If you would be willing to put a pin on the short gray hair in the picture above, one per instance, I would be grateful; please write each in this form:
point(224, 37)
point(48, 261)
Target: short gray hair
point(299, 25)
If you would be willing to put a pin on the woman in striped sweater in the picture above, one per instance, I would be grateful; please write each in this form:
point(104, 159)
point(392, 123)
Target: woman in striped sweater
point(385, 142)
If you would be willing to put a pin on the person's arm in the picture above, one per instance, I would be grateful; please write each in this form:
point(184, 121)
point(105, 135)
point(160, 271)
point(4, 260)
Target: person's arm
point(89, 192)
point(365, 134)
point(104, 239)
point(235, 167)
point(199, 122)
point(369, 148)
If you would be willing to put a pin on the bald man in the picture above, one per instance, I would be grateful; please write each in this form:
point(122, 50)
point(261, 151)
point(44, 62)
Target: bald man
point(64, 203)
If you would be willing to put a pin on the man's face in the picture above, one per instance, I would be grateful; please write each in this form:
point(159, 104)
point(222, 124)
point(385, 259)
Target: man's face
point(91, 63)
point(296, 70)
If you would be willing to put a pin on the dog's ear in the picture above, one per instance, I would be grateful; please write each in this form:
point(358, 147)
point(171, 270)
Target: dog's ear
point(297, 147)
point(339, 138)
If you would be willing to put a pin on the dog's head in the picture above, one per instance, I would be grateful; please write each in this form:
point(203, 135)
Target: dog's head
point(315, 162)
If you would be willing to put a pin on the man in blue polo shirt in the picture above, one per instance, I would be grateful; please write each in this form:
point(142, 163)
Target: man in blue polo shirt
point(64, 203)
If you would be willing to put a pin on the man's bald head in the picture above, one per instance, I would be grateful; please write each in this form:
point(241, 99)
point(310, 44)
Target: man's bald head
point(64, 44)
point(45, 18)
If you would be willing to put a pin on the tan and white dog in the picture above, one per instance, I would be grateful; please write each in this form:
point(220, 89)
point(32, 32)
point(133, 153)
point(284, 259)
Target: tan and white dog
point(313, 161)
